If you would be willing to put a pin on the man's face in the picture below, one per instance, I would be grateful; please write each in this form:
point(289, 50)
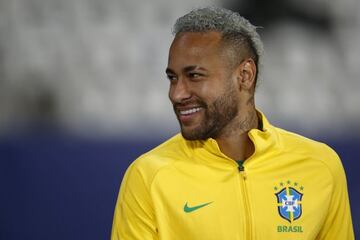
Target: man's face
point(202, 91)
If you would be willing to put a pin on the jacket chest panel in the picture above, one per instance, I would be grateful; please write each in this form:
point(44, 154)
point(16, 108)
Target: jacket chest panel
point(262, 204)
point(199, 209)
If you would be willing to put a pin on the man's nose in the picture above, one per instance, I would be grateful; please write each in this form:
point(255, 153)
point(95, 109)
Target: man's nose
point(179, 91)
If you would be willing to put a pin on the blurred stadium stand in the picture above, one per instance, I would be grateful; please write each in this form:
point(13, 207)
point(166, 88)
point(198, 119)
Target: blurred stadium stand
point(83, 93)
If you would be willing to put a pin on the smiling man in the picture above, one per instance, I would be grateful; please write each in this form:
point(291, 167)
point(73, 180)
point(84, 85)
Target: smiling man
point(230, 174)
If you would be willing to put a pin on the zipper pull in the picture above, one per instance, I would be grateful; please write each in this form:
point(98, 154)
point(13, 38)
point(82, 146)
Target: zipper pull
point(240, 165)
point(241, 168)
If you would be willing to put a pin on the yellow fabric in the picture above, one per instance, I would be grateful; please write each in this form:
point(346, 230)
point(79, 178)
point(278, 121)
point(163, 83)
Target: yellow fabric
point(237, 204)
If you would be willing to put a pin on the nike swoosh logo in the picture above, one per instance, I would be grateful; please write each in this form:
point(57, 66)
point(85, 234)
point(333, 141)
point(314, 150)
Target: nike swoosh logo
point(188, 209)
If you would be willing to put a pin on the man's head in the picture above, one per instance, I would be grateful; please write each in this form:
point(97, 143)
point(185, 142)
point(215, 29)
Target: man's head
point(238, 35)
point(212, 70)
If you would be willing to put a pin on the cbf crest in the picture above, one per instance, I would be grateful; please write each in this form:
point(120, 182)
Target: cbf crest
point(289, 200)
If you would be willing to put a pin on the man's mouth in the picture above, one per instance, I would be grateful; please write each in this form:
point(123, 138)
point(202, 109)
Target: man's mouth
point(187, 115)
point(189, 111)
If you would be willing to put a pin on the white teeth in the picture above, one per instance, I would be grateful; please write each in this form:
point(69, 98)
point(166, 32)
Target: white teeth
point(192, 110)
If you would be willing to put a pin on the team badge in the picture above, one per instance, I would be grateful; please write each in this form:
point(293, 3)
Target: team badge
point(289, 201)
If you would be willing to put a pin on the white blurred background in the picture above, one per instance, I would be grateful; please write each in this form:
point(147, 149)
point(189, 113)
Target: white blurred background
point(96, 68)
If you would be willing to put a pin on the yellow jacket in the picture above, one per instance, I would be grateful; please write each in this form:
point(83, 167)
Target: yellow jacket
point(290, 188)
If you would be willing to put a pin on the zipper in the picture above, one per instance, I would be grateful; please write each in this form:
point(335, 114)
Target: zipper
point(248, 219)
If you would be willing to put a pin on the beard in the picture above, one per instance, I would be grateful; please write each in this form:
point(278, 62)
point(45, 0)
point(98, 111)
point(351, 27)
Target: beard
point(217, 116)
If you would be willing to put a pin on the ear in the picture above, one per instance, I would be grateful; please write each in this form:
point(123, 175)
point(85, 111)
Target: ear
point(246, 73)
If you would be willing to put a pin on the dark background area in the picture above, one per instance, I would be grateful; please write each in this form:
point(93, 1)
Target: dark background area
point(61, 187)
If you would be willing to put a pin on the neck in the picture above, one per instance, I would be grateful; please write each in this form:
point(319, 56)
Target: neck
point(234, 142)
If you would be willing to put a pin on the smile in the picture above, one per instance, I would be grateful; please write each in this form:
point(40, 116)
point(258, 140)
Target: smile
point(189, 111)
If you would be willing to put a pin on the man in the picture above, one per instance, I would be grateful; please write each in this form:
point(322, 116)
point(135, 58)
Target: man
point(230, 174)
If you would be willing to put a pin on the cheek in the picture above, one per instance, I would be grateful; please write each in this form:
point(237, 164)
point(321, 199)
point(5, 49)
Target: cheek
point(210, 90)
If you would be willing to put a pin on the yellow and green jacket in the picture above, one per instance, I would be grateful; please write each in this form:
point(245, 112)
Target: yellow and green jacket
point(290, 188)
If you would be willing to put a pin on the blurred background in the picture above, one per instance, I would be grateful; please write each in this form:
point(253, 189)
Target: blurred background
point(83, 92)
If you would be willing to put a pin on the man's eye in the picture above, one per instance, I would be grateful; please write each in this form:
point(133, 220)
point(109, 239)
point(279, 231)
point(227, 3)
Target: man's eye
point(171, 77)
point(194, 75)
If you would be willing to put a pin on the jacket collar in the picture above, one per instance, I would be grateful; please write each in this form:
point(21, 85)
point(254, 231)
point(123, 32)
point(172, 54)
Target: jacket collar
point(264, 139)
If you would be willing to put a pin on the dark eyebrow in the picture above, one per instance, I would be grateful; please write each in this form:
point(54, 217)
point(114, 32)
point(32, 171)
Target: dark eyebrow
point(185, 69)
point(192, 68)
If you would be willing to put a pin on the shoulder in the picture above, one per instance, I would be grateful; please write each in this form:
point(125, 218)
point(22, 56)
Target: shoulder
point(164, 154)
point(314, 150)
point(160, 157)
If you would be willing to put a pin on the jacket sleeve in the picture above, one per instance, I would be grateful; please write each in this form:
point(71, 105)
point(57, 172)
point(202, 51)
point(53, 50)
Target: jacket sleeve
point(338, 223)
point(134, 214)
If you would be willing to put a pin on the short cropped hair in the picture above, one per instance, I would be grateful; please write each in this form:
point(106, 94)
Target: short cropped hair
point(236, 31)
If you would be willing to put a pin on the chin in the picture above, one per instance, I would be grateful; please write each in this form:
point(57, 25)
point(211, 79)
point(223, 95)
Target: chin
point(192, 134)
